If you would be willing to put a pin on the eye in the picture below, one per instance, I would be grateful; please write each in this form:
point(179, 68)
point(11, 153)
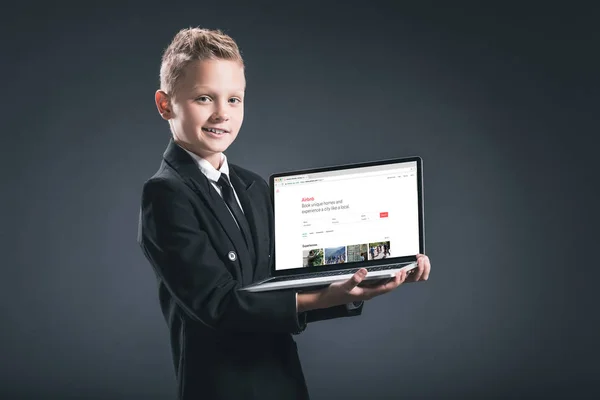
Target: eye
point(203, 99)
point(235, 100)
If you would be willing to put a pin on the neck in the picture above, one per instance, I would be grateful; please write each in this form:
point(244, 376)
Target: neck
point(215, 159)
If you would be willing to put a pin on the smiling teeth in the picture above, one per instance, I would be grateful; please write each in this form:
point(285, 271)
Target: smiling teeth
point(217, 131)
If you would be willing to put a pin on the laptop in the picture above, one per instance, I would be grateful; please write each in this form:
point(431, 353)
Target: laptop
point(332, 221)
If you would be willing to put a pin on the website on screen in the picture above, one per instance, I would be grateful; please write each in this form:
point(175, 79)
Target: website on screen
point(346, 216)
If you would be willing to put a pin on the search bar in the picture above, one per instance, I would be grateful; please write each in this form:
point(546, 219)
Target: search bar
point(390, 172)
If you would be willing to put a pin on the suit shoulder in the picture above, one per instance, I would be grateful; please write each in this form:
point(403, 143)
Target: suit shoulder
point(163, 179)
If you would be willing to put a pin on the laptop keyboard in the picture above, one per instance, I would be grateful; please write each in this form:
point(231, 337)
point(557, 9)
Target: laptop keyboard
point(333, 273)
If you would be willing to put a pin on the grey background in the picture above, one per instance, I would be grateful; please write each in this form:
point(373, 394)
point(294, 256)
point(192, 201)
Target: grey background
point(501, 104)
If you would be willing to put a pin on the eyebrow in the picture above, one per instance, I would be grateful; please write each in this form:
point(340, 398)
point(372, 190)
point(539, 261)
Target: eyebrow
point(208, 88)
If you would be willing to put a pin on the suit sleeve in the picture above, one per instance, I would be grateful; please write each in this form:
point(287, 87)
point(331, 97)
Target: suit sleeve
point(183, 257)
point(347, 310)
point(333, 312)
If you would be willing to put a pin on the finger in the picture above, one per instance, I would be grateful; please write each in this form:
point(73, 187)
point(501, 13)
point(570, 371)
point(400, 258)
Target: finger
point(371, 291)
point(355, 280)
point(389, 286)
point(424, 268)
point(416, 274)
point(410, 275)
point(398, 280)
point(419, 270)
point(427, 269)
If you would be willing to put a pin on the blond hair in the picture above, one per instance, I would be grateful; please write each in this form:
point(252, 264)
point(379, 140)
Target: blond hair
point(194, 44)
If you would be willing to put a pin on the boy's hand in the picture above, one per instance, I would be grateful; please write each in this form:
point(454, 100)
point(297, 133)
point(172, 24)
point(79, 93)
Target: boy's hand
point(349, 291)
point(353, 291)
point(421, 273)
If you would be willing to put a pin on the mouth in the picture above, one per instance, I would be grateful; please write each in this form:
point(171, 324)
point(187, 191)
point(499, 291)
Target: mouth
point(215, 131)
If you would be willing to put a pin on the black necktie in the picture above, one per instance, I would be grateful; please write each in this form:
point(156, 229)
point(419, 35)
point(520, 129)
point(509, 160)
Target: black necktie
point(231, 201)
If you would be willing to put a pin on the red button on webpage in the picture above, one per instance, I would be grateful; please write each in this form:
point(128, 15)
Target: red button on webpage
point(383, 215)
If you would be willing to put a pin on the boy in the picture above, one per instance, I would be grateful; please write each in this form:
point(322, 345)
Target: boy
point(206, 226)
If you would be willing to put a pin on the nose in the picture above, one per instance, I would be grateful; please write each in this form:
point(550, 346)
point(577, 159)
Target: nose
point(220, 113)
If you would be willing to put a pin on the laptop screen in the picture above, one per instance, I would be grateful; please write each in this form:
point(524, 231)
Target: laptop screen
point(349, 215)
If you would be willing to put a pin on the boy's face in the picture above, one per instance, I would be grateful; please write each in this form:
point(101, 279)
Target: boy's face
point(207, 109)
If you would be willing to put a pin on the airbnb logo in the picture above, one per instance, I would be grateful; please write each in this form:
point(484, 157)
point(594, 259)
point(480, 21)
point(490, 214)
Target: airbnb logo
point(308, 199)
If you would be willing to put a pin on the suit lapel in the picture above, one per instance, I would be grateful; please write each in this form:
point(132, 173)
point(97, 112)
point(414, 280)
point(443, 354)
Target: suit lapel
point(256, 217)
point(187, 168)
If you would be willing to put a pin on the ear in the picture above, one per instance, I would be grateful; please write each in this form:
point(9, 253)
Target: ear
point(163, 104)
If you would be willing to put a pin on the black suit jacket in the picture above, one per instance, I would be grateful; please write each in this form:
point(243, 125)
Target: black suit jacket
point(226, 344)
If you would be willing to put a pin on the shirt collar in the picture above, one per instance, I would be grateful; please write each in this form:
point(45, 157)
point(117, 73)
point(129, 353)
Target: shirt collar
point(207, 169)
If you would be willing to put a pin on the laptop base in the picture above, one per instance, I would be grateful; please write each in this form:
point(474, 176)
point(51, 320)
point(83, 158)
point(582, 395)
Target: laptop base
point(315, 281)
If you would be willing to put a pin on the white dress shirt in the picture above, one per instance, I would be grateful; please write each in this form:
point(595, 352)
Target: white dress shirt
point(213, 174)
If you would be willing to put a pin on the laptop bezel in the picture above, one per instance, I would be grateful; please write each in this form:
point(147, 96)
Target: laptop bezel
point(360, 264)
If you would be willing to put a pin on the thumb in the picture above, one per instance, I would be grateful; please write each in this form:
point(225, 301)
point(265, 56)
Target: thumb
point(355, 280)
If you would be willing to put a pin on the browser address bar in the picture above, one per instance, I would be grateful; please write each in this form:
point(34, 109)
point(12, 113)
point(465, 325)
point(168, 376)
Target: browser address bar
point(359, 175)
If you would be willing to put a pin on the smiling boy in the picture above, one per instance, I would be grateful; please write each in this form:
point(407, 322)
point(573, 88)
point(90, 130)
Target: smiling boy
point(206, 227)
